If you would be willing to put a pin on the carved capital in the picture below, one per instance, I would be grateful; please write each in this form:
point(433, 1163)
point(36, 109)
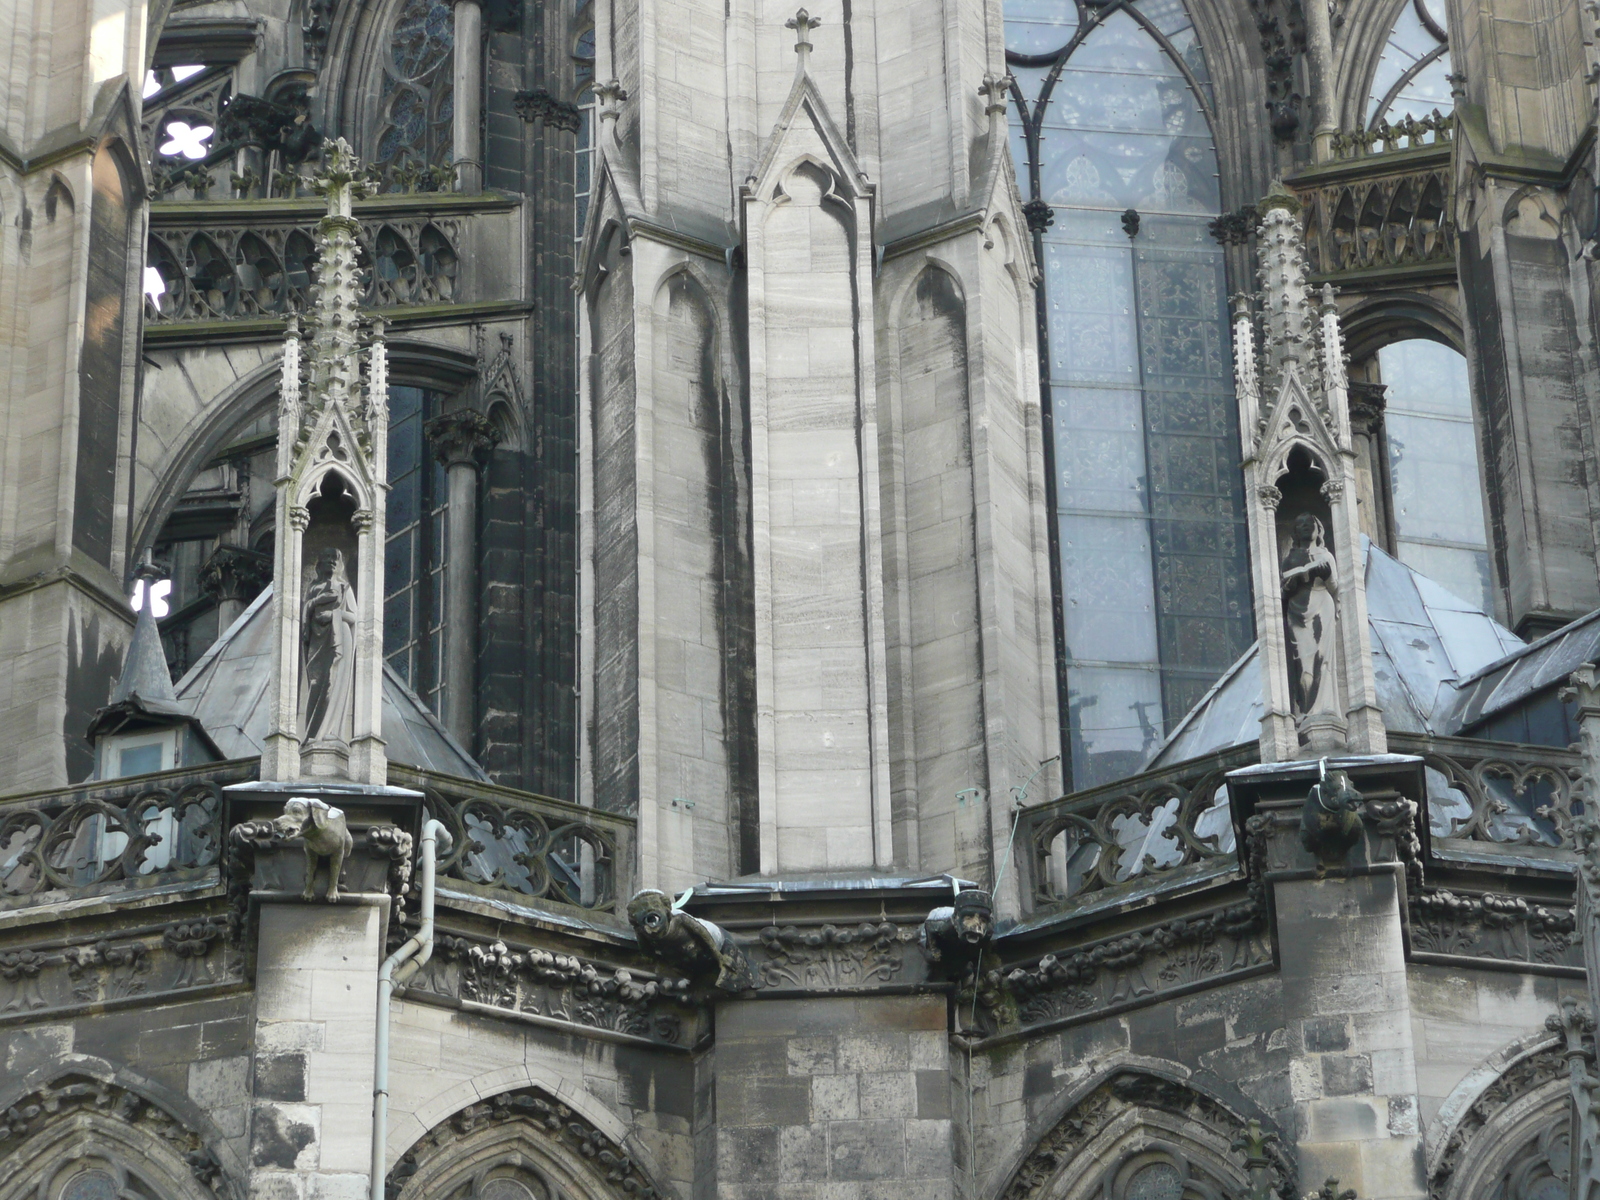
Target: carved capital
point(1269, 496)
point(462, 438)
point(299, 518)
point(541, 105)
point(1039, 215)
point(1333, 490)
point(234, 573)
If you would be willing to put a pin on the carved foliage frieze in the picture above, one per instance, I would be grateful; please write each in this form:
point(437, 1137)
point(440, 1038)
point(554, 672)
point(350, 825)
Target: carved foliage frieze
point(831, 958)
point(562, 987)
point(1134, 968)
point(1493, 926)
point(182, 956)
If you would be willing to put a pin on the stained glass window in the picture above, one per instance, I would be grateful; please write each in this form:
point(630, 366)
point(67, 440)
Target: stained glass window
point(413, 601)
point(1112, 138)
point(1413, 75)
point(415, 95)
point(1439, 531)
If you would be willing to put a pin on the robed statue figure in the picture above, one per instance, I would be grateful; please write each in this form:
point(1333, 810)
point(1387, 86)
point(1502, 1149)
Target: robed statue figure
point(1310, 613)
point(328, 653)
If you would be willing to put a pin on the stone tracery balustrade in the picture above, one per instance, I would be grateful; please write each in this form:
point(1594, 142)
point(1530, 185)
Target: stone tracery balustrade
point(516, 846)
point(1111, 836)
point(1125, 836)
point(1498, 792)
point(112, 835)
point(218, 265)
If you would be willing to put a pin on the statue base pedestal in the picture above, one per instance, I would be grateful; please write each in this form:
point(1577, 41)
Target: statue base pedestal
point(1321, 734)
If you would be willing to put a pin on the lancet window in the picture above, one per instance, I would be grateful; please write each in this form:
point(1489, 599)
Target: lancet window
point(413, 604)
point(1112, 137)
point(1440, 531)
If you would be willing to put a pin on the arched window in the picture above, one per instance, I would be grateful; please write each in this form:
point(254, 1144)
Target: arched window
point(1413, 74)
point(413, 565)
point(1439, 531)
point(1114, 151)
point(414, 94)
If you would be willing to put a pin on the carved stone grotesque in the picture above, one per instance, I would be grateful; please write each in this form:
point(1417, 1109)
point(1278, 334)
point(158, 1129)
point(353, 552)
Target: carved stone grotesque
point(326, 837)
point(956, 935)
point(1330, 821)
point(687, 944)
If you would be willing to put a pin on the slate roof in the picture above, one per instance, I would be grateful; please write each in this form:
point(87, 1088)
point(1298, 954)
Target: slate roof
point(1426, 643)
point(226, 691)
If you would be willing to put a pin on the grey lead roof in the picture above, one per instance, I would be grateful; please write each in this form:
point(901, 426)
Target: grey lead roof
point(1547, 662)
point(1425, 644)
point(226, 691)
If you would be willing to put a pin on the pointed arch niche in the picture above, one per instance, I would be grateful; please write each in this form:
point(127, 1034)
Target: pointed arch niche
point(1111, 131)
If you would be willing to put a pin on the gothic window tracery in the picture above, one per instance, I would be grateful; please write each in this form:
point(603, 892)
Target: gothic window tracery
point(1412, 78)
point(414, 96)
point(1111, 133)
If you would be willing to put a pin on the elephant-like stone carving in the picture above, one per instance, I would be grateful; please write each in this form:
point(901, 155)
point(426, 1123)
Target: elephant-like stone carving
point(687, 944)
point(322, 828)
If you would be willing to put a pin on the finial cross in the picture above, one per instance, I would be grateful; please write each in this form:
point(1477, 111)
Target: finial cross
point(802, 23)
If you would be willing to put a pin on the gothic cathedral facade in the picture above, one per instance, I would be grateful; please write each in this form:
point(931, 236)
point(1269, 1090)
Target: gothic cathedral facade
point(686, 600)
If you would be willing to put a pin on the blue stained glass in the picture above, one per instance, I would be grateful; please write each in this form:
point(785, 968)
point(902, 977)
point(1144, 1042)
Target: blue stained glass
point(1149, 514)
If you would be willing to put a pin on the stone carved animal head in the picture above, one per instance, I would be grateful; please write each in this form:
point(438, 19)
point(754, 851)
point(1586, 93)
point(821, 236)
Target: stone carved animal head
point(326, 836)
point(686, 943)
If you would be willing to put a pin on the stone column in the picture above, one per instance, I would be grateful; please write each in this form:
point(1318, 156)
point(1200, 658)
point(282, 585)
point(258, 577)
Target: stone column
point(235, 576)
point(316, 971)
point(460, 441)
point(1374, 500)
point(466, 143)
point(1338, 896)
point(1319, 62)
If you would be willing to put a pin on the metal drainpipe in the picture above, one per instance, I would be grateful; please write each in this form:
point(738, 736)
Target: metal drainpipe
point(396, 970)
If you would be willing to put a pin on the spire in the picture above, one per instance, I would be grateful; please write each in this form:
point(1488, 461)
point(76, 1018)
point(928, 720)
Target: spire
point(144, 669)
point(1285, 298)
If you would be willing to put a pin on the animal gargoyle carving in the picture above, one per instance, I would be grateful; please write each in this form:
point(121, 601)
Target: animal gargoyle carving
point(322, 828)
point(1330, 819)
point(956, 935)
point(687, 944)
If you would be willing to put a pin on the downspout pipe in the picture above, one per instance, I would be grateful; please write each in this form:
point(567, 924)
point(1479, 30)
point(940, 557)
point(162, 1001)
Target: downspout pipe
point(396, 970)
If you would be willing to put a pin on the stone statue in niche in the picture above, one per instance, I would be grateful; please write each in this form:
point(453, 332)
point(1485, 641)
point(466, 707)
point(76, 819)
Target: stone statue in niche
point(328, 653)
point(1311, 618)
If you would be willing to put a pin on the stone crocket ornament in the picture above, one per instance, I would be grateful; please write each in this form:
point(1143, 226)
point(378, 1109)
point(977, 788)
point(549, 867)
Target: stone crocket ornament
point(687, 944)
point(325, 834)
